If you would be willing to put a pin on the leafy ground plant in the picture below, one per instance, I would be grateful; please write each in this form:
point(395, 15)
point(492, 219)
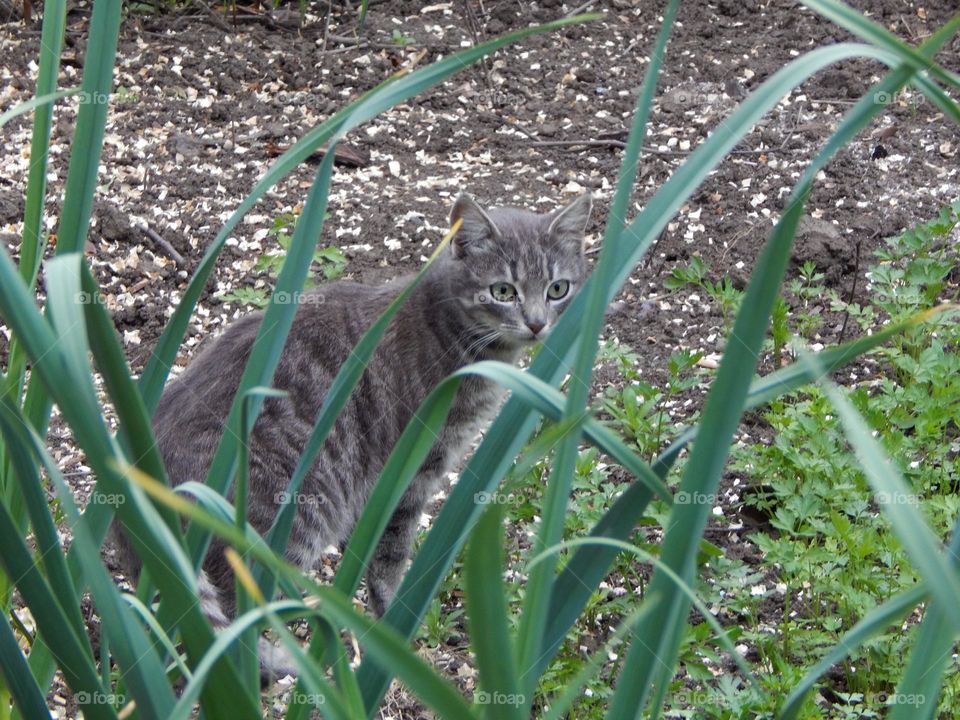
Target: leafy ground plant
point(328, 263)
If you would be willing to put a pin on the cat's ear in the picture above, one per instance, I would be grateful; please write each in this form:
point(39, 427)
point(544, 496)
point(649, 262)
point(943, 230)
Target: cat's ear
point(477, 229)
point(569, 223)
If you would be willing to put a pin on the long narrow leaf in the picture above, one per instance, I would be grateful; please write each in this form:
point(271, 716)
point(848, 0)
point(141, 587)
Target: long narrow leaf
point(515, 422)
point(17, 677)
point(900, 505)
point(652, 657)
point(380, 640)
point(488, 614)
point(861, 26)
point(64, 377)
point(589, 563)
point(553, 516)
point(873, 623)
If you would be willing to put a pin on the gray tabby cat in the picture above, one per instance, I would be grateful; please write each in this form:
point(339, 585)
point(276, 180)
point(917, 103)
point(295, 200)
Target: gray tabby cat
point(499, 288)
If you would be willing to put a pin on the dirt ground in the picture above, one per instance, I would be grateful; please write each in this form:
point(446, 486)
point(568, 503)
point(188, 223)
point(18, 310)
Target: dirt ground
point(205, 102)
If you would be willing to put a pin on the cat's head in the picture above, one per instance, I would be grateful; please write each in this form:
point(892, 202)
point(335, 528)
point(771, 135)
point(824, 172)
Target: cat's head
point(517, 270)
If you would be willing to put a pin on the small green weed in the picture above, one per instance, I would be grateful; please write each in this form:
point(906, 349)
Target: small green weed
point(328, 261)
point(398, 38)
point(640, 410)
point(829, 545)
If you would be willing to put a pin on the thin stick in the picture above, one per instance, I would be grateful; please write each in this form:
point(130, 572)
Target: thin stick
point(583, 8)
point(163, 245)
point(620, 144)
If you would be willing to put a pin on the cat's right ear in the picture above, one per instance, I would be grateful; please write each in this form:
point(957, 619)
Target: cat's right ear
point(477, 229)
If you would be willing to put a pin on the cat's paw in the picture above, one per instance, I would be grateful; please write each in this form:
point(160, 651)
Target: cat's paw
point(275, 662)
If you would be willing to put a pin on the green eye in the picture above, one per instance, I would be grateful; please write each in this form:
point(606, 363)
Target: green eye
point(503, 292)
point(558, 289)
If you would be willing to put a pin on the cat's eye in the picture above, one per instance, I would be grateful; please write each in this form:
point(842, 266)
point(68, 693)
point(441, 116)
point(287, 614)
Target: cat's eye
point(558, 289)
point(503, 292)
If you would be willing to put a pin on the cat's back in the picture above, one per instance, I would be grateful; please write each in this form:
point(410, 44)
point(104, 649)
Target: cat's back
point(328, 323)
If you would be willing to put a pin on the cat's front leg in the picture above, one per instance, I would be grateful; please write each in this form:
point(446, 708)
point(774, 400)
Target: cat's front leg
point(389, 561)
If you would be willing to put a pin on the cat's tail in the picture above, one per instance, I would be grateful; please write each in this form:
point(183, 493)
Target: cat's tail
point(275, 662)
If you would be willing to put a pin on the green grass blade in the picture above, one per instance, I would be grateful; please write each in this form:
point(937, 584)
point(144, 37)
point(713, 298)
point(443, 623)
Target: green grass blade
point(146, 616)
point(875, 622)
point(31, 245)
point(420, 435)
point(797, 374)
point(678, 582)
point(134, 429)
point(91, 120)
point(938, 97)
point(587, 567)
point(226, 639)
point(245, 651)
point(515, 422)
point(131, 647)
point(364, 4)
point(488, 614)
point(395, 90)
point(34, 103)
point(51, 44)
point(589, 563)
point(66, 378)
point(931, 653)
point(854, 22)
point(271, 337)
point(923, 678)
point(921, 674)
point(553, 516)
point(17, 677)
point(30, 487)
point(380, 640)
point(653, 653)
point(73, 650)
point(342, 386)
point(402, 465)
point(899, 504)
point(573, 690)
point(311, 676)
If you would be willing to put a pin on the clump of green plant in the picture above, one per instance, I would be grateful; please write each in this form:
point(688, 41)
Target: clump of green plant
point(641, 410)
point(722, 293)
point(328, 261)
point(831, 547)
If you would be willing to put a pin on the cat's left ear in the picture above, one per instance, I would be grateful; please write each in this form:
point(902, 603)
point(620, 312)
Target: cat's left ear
point(570, 223)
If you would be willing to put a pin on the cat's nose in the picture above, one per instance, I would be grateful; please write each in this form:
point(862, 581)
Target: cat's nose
point(535, 327)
